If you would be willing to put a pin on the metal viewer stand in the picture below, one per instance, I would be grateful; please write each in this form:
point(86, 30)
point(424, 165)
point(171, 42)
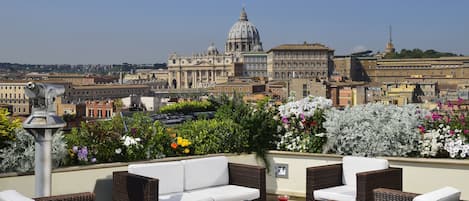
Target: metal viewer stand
point(42, 124)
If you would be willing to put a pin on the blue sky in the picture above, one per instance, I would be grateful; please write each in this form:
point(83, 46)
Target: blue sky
point(147, 31)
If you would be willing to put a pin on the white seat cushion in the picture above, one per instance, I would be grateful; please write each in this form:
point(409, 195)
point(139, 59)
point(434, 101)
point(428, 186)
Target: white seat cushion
point(205, 172)
point(351, 165)
point(442, 194)
point(228, 193)
point(339, 193)
point(170, 175)
point(184, 197)
point(12, 195)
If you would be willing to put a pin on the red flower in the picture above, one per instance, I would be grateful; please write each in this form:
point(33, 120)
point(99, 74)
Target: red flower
point(174, 145)
point(313, 123)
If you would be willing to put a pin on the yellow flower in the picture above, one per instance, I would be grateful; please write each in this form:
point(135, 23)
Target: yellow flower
point(179, 140)
point(186, 151)
point(185, 143)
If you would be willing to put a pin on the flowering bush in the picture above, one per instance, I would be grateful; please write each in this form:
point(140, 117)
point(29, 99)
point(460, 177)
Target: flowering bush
point(374, 130)
point(446, 132)
point(181, 146)
point(107, 141)
point(302, 121)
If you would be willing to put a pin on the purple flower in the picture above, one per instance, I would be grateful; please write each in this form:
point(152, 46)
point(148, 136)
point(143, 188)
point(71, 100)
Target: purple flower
point(285, 120)
point(133, 131)
point(451, 132)
point(83, 154)
point(75, 149)
point(93, 160)
point(302, 116)
point(439, 104)
point(466, 132)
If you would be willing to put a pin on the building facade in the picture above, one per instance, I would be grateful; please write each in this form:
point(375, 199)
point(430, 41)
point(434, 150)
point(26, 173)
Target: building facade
point(305, 60)
point(212, 67)
point(254, 64)
point(12, 94)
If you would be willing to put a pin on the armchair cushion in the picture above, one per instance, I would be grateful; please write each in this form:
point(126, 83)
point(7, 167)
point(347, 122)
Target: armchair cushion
point(351, 165)
point(184, 197)
point(205, 172)
point(169, 174)
point(228, 193)
point(339, 193)
point(442, 194)
point(12, 195)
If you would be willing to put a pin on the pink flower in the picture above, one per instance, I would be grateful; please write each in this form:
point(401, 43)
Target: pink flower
point(460, 101)
point(462, 117)
point(302, 116)
point(421, 129)
point(447, 119)
point(439, 104)
point(451, 132)
point(466, 132)
point(285, 120)
point(436, 116)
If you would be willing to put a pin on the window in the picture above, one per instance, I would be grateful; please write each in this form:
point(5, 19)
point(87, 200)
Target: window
point(305, 90)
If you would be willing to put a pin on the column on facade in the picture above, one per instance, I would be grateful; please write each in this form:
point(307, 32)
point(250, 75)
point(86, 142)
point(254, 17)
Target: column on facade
point(170, 79)
point(186, 80)
point(178, 79)
point(207, 75)
point(213, 76)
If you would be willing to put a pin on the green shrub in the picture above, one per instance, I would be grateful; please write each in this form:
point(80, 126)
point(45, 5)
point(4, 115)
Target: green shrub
point(256, 120)
point(214, 136)
point(188, 107)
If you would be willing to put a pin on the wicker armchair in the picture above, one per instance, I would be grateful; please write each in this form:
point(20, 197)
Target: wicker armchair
point(87, 196)
point(131, 187)
point(323, 177)
point(383, 194)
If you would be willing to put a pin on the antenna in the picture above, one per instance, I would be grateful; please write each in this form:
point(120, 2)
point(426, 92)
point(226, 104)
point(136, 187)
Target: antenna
point(390, 33)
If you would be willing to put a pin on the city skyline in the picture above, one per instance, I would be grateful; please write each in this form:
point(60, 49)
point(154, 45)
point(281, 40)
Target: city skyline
point(108, 32)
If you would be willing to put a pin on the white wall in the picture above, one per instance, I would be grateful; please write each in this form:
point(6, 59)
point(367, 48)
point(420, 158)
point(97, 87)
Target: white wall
point(420, 175)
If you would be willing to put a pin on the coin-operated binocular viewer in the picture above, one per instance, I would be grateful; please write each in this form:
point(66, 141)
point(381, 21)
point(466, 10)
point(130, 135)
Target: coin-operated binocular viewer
point(42, 124)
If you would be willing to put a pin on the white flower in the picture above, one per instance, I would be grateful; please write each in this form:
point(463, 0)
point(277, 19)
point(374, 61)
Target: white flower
point(118, 151)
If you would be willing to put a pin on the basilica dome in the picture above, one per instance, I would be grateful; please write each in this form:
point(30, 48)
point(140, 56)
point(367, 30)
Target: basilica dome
point(243, 36)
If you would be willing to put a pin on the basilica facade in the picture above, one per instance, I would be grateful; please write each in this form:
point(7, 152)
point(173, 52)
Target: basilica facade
point(208, 68)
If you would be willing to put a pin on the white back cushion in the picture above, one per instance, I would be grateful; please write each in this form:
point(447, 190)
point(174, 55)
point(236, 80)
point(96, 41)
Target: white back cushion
point(170, 175)
point(205, 172)
point(12, 195)
point(442, 194)
point(351, 165)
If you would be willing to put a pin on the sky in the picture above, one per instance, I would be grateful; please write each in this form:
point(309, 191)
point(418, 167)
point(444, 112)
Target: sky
point(147, 31)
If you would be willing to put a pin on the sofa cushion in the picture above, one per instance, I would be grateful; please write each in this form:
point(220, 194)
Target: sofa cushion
point(228, 193)
point(205, 172)
point(12, 195)
point(339, 193)
point(184, 197)
point(170, 175)
point(442, 194)
point(351, 165)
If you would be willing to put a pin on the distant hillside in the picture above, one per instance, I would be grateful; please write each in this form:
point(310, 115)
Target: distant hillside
point(418, 53)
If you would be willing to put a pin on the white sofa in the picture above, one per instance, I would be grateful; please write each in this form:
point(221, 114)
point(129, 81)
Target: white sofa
point(203, 179)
